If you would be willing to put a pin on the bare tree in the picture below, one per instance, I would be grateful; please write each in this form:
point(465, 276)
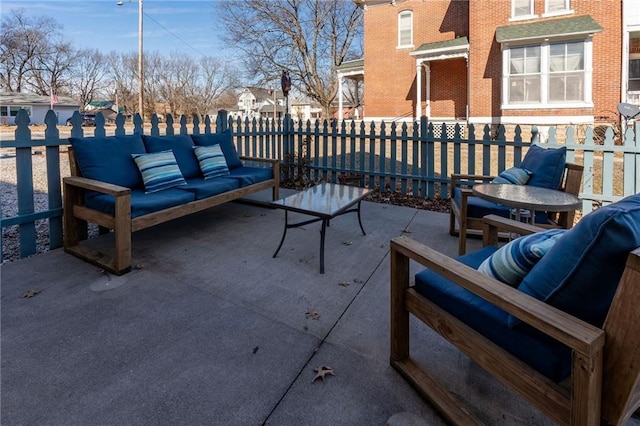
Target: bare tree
point(308, 38)
point(26, 45)
point(89, 76)
point(123, 72)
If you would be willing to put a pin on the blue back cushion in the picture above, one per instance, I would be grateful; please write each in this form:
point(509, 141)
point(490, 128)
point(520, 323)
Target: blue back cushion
point(580, 274)
point(225, 140)
point(182, 147)
point(546, 166)
point(108, 159)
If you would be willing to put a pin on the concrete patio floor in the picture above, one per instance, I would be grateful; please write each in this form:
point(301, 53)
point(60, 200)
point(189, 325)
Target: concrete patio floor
point(209, 329)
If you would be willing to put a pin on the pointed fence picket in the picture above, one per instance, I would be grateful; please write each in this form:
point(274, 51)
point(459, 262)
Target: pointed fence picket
point(411, 158)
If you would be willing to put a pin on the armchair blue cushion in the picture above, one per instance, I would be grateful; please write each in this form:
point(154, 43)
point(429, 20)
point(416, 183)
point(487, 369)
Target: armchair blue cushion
point(546, 166)
point(109, 159)
point(478, 208)
point(225, 140)
point(580, 274)
point(545, 355)
point(182, 147)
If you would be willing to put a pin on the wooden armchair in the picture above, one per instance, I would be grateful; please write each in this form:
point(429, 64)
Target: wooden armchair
point(463, 222)
point(603, 386)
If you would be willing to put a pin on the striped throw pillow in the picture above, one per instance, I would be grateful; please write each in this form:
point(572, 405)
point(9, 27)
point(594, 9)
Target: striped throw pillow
point(159, 170)
point(515, 259)
point(514, 175)
point(212, 161)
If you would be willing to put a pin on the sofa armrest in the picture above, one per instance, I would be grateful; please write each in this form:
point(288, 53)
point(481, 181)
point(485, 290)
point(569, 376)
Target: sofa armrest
point(573, 332)
point(260, 159)
point(96, 185)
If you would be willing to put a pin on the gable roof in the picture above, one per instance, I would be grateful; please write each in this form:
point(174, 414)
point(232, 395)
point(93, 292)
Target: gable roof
point(577, 25)
point(21, 98)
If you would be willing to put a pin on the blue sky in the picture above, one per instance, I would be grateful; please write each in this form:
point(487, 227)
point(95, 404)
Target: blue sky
point(169, 26)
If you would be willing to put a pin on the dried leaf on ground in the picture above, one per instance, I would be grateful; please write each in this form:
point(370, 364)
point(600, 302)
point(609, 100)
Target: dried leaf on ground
point(347, 243)
point(406, 231)
point(30, 293)
point(344, 283)
point(321, 372)
point(313, 314)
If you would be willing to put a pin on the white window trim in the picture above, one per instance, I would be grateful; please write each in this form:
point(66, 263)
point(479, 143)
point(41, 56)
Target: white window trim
point(566, 11)
point(410, 45)
point(531, 14)
point(544, 80)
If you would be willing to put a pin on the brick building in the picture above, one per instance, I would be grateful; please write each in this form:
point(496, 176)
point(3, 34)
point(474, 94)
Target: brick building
point(545, 62)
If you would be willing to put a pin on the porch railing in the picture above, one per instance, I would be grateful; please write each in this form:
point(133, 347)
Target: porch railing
point(403, 157)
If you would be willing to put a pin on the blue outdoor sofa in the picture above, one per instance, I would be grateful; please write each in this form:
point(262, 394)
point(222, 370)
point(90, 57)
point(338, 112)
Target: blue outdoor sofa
point(131, 182)
point(556, 322)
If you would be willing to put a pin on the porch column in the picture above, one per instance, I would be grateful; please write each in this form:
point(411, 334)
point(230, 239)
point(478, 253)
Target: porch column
point(418, 89)
point(340, 117)
point(427, 110)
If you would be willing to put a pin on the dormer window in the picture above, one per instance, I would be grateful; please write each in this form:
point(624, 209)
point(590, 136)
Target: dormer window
point(405, 29)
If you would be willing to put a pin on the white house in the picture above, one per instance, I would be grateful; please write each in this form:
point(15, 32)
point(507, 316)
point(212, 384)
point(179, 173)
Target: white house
point(37, 107)
point(256, 102)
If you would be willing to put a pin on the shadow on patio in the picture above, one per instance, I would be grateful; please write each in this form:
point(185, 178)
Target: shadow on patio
point(210, 329)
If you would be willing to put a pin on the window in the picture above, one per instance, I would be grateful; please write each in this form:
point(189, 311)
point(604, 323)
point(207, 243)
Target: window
point(550, 74)
point(557, 6)
point(12, 111)
point(405, 29)
point(566, 72)
point(634, 75)
point(521, 8)
point(524, 75)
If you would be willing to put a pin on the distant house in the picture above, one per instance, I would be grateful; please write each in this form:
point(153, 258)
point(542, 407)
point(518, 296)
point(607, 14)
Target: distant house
point(256, 102)
point(36, 106)
point(108, 109)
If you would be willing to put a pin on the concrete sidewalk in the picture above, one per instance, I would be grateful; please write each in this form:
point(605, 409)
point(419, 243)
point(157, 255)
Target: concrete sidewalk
point(210, 329)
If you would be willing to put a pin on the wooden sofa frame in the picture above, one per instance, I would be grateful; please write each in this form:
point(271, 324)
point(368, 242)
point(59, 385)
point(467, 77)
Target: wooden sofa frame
point(570, 183)
point(604, 387)
point(77, 215)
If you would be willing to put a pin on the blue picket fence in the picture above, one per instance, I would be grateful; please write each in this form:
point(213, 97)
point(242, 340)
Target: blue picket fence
point(411, 158)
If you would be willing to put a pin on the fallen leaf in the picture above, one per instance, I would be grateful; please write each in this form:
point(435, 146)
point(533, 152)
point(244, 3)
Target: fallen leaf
point(138, 266)
point(313, 314)
point(321, 372)
point(406, 231)
point(347, 243)
point(344, 283)
point(29, 294)
point(255, 350)
point(357, 280)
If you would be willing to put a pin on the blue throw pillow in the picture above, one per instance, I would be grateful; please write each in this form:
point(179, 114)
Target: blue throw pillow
point(515, 259)
point(225, 140)
point(108, 159)
point(159, 171)
point(514, 175)
point(212, 161)
point(580, 274)
point(546, 166)
point(182, 147)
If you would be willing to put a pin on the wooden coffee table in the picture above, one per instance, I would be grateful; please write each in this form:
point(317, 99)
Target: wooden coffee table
point(325, 201)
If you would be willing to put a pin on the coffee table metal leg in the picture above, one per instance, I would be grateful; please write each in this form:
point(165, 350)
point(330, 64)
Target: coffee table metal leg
point(284, 233)
point(323, 230)
point(359, 220)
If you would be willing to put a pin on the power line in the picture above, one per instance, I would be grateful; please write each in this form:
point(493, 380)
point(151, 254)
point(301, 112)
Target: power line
point(173, 34)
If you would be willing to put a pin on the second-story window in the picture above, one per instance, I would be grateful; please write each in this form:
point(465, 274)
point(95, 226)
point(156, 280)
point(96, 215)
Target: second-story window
point(405, 29)
point(521, 8)
point(557, 6)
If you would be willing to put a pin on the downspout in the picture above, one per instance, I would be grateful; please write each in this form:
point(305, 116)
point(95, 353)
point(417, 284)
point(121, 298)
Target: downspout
point(624, 86)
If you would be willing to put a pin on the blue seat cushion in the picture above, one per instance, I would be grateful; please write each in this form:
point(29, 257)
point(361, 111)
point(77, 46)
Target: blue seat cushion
point(249, 175)
point(202, 188)
point(546, 166)
point(108, 159)
point(479, 208)
point(580, 274)
point(545, 355)
point(142, 203)
point(225, 140)
point(182, 147)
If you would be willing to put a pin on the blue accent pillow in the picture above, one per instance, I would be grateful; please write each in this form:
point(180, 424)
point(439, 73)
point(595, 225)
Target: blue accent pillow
point(212, 161)
point(225, 140)
point(514, 175)
point(580, 274)
point(182, 147)
point(159, 171)
point(546, 166)
point(515, 259)
point(108, 159)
